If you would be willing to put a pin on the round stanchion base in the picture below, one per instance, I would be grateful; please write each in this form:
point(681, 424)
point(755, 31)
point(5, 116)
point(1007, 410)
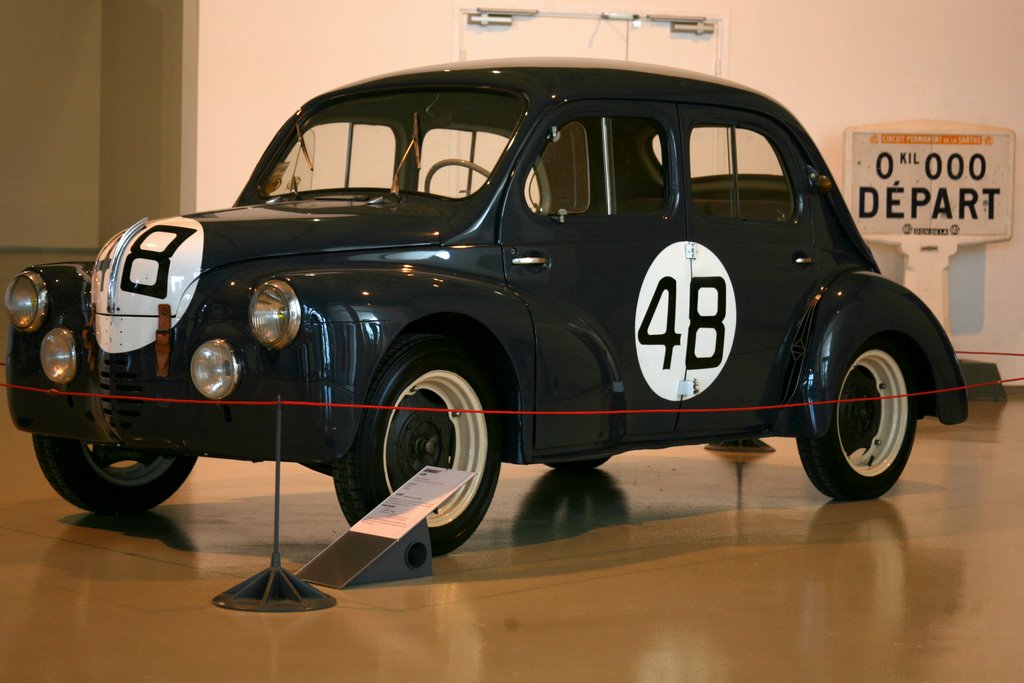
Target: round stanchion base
point(740, 446)
point(274, 589)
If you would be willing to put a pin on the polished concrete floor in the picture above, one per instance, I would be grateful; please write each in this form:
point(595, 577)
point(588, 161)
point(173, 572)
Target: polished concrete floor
point(671, 565)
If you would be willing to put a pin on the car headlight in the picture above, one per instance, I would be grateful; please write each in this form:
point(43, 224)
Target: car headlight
point(215, 369)
point(58, 356)
point(275, 314)
point(26, 301)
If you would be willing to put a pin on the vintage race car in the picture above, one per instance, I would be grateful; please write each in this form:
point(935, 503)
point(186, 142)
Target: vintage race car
point(598, 256)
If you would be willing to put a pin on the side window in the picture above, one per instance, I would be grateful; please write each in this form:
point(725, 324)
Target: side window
point(712, 181)
point(560, 180)
point(737, 173)
point(599, 166)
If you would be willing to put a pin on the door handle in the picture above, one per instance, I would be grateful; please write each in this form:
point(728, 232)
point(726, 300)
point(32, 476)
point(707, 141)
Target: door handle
point(531, 261)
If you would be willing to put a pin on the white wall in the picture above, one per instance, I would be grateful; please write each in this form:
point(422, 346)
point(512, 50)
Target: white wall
point(259, 60)
point(834, 63)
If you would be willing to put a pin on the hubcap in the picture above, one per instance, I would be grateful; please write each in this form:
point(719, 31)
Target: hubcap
point(872, 426)
point(419, 439)
point(125, 467)
point(453, 440)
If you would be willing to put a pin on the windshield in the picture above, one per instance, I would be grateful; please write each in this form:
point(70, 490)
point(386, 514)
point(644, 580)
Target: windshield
point(444, 143)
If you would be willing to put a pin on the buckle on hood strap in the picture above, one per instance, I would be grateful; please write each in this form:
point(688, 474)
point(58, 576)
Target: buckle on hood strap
point(163, 340)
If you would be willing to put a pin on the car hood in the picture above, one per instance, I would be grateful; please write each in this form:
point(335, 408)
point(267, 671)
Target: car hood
point(146, 276)
point(310, 226)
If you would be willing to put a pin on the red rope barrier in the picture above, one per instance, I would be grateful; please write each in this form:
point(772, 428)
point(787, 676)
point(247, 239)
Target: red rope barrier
point(624, 411)
point(987, 353)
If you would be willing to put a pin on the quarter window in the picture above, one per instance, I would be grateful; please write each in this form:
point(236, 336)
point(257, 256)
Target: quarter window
point(737, 173)
point(599, 166)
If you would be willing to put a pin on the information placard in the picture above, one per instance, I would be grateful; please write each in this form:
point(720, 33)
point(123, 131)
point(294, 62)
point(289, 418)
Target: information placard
point(411, 502)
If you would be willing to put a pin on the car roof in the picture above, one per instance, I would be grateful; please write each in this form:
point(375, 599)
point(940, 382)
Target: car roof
point(573, 79)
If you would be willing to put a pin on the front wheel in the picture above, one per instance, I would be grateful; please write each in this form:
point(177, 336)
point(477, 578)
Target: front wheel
point(110, 479)
point(437, 374)
point(867, 446)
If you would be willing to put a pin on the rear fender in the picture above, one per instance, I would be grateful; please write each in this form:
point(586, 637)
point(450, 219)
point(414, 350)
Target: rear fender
point(854, 308)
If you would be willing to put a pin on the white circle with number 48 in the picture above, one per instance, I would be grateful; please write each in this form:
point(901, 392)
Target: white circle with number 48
point(685, 321)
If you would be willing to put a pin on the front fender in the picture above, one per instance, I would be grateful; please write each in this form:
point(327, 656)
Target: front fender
point(853, 308)
point(456, 295)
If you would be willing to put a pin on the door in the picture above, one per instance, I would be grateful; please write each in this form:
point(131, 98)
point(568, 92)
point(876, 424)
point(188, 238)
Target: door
point(745, 204)
point(593, 204)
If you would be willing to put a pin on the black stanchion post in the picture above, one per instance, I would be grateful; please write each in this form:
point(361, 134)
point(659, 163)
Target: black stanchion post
point(274, 589)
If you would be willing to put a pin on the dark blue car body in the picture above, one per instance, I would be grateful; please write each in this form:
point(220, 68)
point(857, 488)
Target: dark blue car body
point(548, 305)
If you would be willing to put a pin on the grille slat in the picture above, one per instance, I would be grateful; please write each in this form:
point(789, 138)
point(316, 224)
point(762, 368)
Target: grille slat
point(116, 380)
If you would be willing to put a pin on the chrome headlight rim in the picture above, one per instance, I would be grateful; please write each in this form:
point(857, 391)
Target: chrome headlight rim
point(39, 308)
point(265, 323)
point(225, 378)
point(58, 356)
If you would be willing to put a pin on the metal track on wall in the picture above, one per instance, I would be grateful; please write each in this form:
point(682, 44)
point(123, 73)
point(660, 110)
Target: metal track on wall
point(696, 26)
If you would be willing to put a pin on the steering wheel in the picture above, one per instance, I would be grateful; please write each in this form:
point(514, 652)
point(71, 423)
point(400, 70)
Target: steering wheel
point(453, 162)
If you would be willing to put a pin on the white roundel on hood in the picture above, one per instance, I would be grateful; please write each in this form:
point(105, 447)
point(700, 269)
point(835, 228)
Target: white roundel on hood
point(151, 263)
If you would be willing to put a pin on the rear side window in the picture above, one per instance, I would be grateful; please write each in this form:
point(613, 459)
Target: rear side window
point(599, 165)
point(737, 173)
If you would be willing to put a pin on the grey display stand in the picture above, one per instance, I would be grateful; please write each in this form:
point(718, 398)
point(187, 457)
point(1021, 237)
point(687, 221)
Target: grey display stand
point(357, 558)
point(392, 542)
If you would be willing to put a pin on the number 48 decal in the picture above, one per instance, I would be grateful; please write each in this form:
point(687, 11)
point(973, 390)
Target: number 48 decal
point(686, 285)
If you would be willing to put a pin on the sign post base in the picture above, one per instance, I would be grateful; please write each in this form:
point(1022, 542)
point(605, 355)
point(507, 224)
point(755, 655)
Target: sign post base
point(357, 558)
point(392, 541)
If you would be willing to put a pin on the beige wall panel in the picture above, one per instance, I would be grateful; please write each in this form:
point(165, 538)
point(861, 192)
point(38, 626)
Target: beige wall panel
point(49, 123)
point(140, 155)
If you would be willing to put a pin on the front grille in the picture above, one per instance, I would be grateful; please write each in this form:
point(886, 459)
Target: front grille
point(117, 380)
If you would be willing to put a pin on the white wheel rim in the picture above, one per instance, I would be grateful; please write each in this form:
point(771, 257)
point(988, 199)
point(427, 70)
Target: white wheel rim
point(122, 467)
point(469, 452)
point(892, 414)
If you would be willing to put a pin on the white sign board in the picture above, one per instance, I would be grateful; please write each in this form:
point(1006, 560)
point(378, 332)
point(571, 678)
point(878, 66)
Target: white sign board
point(928, 187)
point(930, 178)
point(412, 502)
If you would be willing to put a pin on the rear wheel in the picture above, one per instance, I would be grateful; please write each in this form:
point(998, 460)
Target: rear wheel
point(865, 450)
point(109, 479)
point(435, 373)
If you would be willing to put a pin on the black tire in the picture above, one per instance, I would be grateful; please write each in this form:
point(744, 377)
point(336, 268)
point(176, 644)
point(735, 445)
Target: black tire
point(109, 479)
point(867, 446)
point(577, 465)
point(391, 445)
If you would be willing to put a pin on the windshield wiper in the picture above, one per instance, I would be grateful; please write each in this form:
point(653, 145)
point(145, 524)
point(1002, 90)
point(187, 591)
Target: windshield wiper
point(413, 144)
point(342, 196)
point(302, 146)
